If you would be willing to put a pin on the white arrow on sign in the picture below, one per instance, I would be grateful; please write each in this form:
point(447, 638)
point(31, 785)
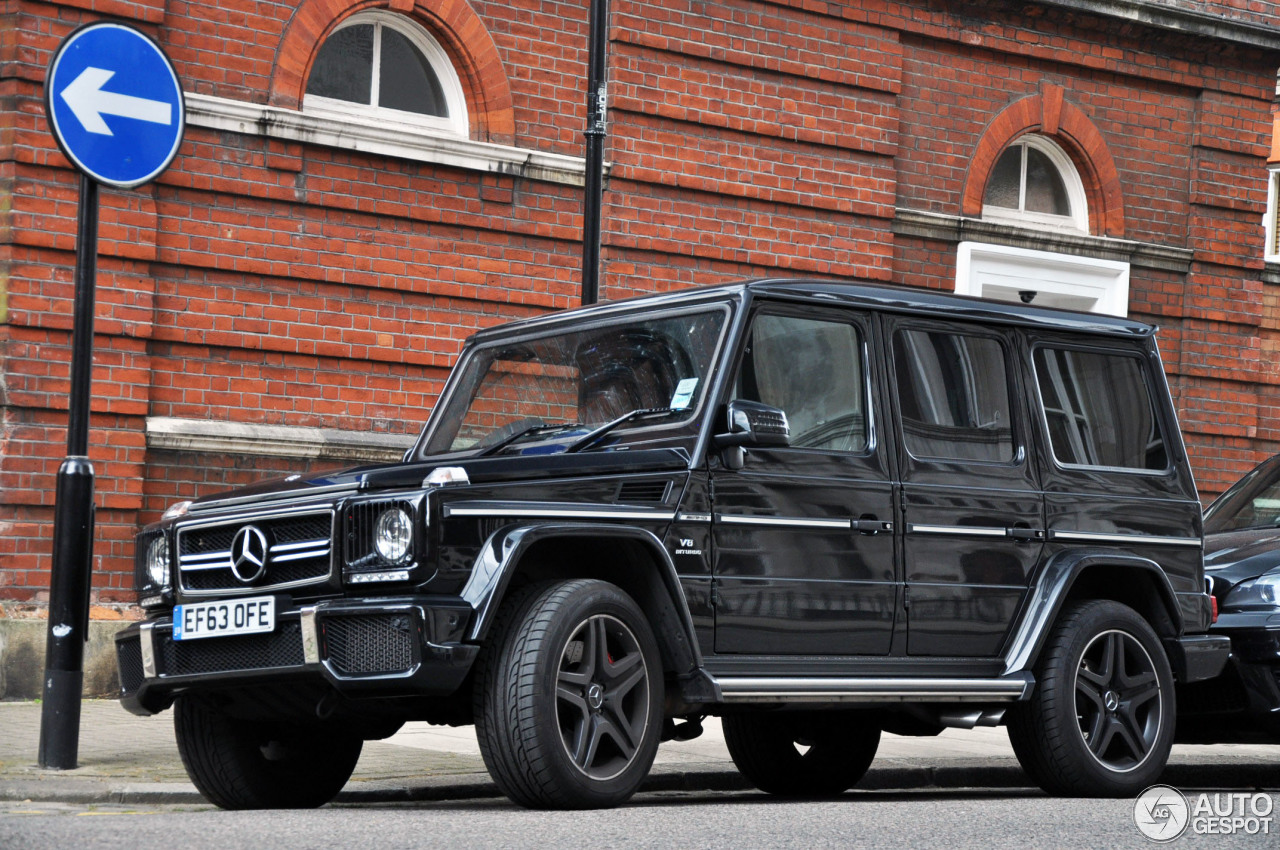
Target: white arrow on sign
point(88, 102)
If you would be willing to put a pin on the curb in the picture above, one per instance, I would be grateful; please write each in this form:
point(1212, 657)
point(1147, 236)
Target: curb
point(479, 786)
point(1230, 775)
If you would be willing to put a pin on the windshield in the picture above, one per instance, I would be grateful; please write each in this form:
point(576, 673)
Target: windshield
point(1252, 502)
point(543, 394)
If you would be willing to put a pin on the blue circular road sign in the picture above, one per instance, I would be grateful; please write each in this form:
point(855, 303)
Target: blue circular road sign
point(114, 104)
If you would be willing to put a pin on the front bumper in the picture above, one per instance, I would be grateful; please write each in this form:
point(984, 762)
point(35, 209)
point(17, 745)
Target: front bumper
point(404, 646)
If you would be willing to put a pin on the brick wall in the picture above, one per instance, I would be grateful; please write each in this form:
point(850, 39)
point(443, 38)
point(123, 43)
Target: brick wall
point(285, 283)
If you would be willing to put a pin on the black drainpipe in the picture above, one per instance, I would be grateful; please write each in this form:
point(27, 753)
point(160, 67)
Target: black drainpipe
point(597, 48)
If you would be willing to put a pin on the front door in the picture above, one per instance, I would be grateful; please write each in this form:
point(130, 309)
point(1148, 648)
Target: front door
point(804, 559)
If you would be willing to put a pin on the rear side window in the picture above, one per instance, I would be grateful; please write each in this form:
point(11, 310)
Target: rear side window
point(1099, 410)
point(954, 393)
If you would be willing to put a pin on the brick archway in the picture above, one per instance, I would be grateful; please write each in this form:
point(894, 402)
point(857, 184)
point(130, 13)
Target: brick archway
point(1049, 114)
point(454, 24)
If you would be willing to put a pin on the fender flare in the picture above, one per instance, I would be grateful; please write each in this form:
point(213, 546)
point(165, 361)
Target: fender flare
point(1054, 585)
point(499, 560)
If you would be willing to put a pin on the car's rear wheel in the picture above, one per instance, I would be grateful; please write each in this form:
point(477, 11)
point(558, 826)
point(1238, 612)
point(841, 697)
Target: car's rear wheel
point(1101, 719)
point(238, 764)
point(801, 753)
point(569, 696)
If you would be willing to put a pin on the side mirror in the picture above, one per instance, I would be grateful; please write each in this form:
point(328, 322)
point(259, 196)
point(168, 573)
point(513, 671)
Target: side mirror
point(750, 423)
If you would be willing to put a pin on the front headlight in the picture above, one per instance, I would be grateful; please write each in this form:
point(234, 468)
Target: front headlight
point(393, 535)
point(1261, 592)
point(158, 561)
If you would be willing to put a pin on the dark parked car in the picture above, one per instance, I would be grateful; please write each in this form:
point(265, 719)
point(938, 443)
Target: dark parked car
point(1242, 561)
point(819, 510)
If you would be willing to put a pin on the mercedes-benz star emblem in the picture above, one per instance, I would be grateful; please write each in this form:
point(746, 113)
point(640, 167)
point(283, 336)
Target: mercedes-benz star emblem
point(249, 554)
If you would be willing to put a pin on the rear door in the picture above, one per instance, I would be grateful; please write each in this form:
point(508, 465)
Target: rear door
point(971, 500)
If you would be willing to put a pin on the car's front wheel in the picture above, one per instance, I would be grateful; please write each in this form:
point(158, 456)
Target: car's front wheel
point(1100, 721)
point(801, 753)
point(239, 764)
point(569, 696)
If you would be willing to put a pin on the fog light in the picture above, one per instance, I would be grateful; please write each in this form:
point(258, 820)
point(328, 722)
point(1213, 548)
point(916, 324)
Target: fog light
point(158, 561)
point(392, 535)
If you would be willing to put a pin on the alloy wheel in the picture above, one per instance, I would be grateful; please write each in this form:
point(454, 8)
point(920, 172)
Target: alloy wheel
point(1119, 705)
point(602, 696)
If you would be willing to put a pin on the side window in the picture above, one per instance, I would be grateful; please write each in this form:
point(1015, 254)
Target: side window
point(954, 393)
point(813, 370)
point(1099, 410)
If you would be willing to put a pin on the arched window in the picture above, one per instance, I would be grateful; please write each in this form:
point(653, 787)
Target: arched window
point(383, 66)
point(1034, 184)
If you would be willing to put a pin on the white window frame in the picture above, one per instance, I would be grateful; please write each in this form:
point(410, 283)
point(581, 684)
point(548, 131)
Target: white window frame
point(1271, 221)
point(457, 122)
point(1057, 280)
point(1077, 222)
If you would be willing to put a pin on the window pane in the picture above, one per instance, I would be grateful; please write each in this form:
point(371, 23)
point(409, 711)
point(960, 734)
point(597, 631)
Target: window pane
point(1046, 193)
point(406, 80)
point(344, 67)
point(954, 395)
point(1099, 409)
point(1002, 186)
point(813, 370)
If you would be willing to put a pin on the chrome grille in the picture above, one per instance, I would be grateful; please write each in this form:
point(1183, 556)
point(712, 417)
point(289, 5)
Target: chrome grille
point(298, 551)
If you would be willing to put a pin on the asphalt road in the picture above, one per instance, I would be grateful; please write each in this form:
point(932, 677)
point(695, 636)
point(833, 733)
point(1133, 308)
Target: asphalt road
point(739, 820)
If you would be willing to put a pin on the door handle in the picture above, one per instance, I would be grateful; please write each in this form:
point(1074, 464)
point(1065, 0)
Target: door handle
point(1026, 534)
point(871, 526)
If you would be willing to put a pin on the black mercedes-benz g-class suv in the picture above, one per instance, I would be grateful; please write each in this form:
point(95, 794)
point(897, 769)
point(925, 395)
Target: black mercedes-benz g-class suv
point(819, 510)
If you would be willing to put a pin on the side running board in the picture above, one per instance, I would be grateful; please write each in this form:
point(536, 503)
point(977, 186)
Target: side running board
point(736, 689)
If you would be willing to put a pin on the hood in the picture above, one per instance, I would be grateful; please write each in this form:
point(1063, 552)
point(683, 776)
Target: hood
point(479, 470)
point(1235, 556)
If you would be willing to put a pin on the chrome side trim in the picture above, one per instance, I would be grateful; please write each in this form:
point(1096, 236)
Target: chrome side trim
point(960, 530)
point(1126, 539)
point(758, 689)
point(693, 517)
point(783, 521)
point(148, 650)
point(310, 635)
point(490, 509)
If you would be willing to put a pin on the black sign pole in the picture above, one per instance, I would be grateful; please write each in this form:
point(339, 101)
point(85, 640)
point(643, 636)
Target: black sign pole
point(597, 45)
point(72, 519)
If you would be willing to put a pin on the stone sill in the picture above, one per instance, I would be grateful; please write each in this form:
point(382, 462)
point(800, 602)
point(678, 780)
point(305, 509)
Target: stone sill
point(218, 437)
point(404, 141)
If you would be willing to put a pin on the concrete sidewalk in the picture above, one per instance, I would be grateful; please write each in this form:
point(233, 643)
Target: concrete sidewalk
point(131, 760)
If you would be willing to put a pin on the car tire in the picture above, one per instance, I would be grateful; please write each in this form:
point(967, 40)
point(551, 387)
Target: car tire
point(569, 696)
point(1100, 722)
point(801, 753)
point(238, 764)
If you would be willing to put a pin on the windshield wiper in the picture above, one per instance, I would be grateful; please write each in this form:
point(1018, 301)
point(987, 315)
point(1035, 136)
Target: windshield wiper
point(592, 437)
point(523, 432)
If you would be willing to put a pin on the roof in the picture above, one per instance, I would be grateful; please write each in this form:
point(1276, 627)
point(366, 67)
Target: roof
point(885, 297)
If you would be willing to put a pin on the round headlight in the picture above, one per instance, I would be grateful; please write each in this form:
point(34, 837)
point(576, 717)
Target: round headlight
point(392, 535)
point(158, 561)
